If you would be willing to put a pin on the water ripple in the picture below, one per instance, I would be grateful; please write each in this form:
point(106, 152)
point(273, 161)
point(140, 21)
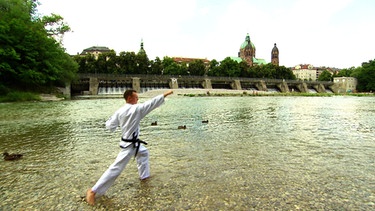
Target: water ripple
point(255, 153)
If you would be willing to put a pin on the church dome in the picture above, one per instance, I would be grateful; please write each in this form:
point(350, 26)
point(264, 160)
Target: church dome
point(247, 42)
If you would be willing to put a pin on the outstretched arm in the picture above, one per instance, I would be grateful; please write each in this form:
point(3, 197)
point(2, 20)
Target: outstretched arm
point(168, 93)
point(150, 105)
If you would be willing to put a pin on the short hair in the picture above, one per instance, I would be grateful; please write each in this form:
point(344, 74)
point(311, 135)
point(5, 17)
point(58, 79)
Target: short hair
point(128, 93)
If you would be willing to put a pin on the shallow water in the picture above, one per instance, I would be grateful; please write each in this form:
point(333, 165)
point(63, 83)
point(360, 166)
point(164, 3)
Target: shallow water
point(282, 153)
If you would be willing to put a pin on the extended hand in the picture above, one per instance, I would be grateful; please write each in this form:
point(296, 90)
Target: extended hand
point(168, 93)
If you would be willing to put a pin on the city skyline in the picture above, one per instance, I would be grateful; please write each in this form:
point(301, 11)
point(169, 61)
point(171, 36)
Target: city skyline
point(328, 33)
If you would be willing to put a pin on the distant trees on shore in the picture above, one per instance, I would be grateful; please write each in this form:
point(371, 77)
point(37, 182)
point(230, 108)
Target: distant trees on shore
point(365, 75)
point(132, 63)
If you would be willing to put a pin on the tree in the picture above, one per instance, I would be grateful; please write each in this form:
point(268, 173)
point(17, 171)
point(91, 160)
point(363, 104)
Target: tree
point(122, 63)
point(170, 67)
point(143, 63)
point(283, 72)
point(86, 63)
point(244, 69)
point(127, 63)
point(254, 72)
point(347, 72)
point(197, 67)
point(156, 66)
point(91, 64)
point(55, 26)
point(365, 76)
point(271, 71)
point(268, 70)
point(30, 58)
point(213, 67)
point(325, 76)
point(227, 67)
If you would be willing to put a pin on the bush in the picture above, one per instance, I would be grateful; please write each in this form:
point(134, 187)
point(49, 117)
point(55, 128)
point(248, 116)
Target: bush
point(4, 90)
point(16, 96)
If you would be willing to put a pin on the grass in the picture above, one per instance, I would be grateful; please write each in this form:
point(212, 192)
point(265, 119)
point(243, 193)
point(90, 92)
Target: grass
point(18, 96)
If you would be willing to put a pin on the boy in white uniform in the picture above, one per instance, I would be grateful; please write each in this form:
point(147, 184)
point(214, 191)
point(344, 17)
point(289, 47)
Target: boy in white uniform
point(128, 118)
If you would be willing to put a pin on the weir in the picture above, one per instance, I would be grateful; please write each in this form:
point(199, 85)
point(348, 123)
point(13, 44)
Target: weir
point(98, 84)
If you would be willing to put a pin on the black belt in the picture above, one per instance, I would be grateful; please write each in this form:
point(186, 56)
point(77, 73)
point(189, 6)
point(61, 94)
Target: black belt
point(135, 140)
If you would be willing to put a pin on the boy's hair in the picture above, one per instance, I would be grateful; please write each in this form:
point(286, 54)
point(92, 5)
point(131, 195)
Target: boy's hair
point(128, 93)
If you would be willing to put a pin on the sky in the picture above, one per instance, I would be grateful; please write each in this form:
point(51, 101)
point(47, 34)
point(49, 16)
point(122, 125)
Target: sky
point(330, 33)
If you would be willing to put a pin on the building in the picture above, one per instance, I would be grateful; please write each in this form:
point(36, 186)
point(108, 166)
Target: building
point(305, 72)
point(247, 53)
point(181, 60)
point(186, 61)
point(345, 84)
point(275, 55)
point(142, 50)
point(95, 50)
point(331, 70)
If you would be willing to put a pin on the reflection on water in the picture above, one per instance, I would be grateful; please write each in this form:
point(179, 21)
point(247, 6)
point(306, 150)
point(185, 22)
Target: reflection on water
point(255, 153)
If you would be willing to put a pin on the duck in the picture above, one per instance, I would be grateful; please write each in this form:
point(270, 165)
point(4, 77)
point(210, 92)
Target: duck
point(9, 157)
point(154, 123)
point(182, 127)
point(204, 121)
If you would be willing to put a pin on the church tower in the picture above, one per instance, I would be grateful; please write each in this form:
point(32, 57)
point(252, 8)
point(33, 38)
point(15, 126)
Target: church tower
point(275, 55)
point(142, 50)
point(247, 51)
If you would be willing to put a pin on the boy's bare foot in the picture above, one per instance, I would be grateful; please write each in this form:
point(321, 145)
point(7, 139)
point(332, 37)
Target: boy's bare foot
point(145, 179)
point(90, 197)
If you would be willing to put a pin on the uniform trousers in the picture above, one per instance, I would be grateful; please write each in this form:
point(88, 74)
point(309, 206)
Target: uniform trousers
point(115, 169)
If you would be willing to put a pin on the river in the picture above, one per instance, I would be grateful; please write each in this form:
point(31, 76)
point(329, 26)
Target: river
point(283, 153)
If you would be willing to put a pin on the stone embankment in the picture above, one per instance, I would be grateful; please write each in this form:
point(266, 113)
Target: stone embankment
point(49, 97)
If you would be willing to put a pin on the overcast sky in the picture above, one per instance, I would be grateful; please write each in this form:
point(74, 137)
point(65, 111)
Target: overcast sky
point(332, 33)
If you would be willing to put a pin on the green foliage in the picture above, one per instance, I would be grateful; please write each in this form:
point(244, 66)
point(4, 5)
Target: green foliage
point(29, 57)
point(325, 76)
point(55, 25)
point(197, 67)
point(365, 76)
point(17, 96)
point(244, 67)
point(124, 63)
point(270, 71)
point(347, 72)
point(156, 66)
point(4, 90)
point(167, 66)
point(174, 69)
point(229, 68)
point(143, 63)
point(106, 62)
point(131, 63)
point(127, 63)
point(170, 67)
point(226, 68)
point(213, 67)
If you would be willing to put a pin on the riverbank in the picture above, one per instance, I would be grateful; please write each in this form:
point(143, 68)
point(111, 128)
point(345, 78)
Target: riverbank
point(50, 97)
point(20, 96)
point(220, 93)
point(26, 96)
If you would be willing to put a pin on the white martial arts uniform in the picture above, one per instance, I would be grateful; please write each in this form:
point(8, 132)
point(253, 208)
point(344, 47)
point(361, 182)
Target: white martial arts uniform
point(128, 118)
